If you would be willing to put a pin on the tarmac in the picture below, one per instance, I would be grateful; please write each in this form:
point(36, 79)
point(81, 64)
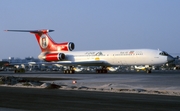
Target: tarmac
point(123, 91)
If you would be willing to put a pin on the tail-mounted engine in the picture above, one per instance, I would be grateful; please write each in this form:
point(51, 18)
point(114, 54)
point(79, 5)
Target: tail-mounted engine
point(66, 46)
point(54, 57)
point(71, 46)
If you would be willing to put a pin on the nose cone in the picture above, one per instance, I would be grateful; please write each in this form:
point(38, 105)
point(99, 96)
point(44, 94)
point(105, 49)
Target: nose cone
point(170, 58)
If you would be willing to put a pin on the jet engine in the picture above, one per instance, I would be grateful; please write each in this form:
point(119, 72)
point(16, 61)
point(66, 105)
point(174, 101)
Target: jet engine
point(71, 46)
point(66, 46)
point(54, 57)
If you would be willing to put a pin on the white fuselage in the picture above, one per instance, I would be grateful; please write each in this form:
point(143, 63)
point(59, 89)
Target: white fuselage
point(117, 57)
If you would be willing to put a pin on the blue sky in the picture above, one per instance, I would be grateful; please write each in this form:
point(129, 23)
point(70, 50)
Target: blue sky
point(91, 24)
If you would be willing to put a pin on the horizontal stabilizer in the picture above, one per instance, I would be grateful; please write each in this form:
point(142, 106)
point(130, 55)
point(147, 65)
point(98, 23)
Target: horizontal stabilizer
point(32, 31)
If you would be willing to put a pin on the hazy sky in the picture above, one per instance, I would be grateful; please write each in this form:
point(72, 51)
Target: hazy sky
point(91, 24)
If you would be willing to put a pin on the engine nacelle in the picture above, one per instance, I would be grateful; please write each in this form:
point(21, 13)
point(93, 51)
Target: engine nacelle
point(54, 57)
point(66, 46)
point(71, 46)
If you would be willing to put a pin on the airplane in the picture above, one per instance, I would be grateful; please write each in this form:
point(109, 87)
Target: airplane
point(52, 53)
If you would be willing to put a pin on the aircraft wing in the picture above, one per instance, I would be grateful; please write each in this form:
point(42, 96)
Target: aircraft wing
point(69, 63)
point(76, 63)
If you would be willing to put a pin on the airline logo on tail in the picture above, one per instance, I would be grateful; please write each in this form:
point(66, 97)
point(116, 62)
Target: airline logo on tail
point(46, 43)
point(43, 41)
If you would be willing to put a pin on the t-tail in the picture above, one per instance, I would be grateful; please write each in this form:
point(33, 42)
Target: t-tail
point(46, 43)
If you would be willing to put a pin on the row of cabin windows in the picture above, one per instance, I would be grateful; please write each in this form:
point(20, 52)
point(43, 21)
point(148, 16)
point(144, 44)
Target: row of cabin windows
point(108, 55)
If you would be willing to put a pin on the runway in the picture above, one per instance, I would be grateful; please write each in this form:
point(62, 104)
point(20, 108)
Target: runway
point(62, 100)
point(96, 92)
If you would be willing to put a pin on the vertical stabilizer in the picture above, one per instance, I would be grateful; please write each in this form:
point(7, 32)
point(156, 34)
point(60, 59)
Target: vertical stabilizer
point(46, 43)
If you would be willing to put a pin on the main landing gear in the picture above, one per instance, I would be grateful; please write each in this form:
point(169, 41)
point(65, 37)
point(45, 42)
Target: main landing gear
point(102, 70)
point(70, 70)
point(148, 70)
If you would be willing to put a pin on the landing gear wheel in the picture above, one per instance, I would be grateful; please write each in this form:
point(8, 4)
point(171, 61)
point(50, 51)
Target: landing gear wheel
point(69, 71)
point(101, 71)
point(148, 71)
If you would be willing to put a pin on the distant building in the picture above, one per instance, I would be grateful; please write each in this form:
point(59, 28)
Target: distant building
point(19, 60)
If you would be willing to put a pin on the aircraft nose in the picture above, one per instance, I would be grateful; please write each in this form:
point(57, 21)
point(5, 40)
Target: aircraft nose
point(170, 58)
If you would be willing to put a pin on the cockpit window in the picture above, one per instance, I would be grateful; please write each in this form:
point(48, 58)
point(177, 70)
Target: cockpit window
point(163, 53)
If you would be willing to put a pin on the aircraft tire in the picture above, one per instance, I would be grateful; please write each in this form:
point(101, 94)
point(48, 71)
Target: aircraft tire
point(66, 71)
point(148, 71)
point(73, 71)
point(97, 71)
point(70, 71)
point(102, 71)
point(105, 71)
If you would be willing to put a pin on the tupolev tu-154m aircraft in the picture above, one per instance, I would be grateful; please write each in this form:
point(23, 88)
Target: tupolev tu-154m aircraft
point(54, 53)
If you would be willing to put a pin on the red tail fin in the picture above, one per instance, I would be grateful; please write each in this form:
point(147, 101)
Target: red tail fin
point(46, 43)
